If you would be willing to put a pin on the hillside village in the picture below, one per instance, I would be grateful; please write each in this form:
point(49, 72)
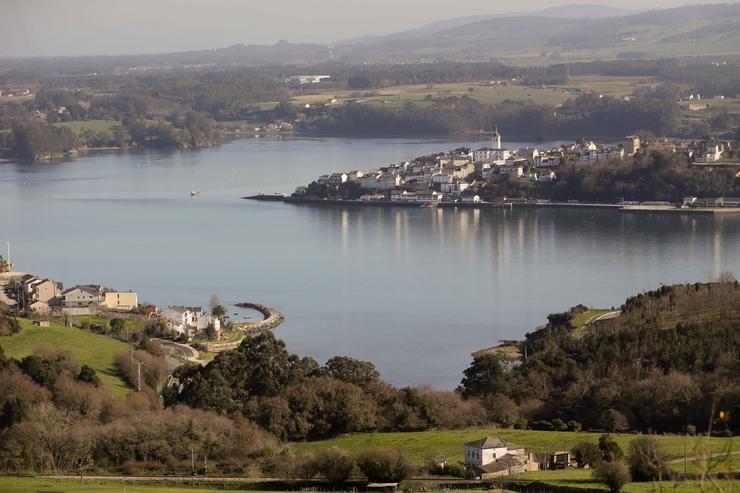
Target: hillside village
point(462, 175)
point(42, 298)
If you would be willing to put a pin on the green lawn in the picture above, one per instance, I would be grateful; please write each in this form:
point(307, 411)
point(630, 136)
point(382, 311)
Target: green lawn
point(95, 350)
point(449, 443)
point(96, 125)
point(582, 320)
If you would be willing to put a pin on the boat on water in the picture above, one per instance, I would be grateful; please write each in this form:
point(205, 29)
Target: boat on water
point(194, 194)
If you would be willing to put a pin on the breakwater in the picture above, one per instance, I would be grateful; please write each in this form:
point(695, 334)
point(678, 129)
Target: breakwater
point(271, 319)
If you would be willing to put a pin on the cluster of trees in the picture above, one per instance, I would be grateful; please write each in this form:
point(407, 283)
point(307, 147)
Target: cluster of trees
point(586, 115)
point(336, 466)
point(55, 416)
point(668, 362)
point(40, 141)
point(645, 462)
point(645, 177)
point(296, 398)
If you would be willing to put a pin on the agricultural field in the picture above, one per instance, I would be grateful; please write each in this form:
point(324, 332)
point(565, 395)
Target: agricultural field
point(95, 350)
point(423, 445)
point(398, 96)
point(95, 125)
point(608, 85)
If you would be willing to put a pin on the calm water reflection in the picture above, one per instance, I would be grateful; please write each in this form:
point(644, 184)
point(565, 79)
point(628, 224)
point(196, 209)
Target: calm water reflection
point(414, 290)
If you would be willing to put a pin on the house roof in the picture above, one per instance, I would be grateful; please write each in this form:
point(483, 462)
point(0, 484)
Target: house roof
point(492, 442)
point(87, 288)
point(499, 465)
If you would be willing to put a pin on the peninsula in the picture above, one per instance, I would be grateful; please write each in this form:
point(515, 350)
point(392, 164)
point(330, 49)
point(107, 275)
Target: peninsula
point(634, 176)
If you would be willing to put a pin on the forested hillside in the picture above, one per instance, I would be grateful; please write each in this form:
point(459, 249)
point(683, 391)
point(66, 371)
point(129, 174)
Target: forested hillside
point(669, 361)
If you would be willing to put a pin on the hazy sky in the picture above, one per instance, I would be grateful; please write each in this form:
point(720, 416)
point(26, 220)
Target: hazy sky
point(73, 27)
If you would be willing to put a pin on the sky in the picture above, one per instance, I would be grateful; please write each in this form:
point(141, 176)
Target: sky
point(100, 27)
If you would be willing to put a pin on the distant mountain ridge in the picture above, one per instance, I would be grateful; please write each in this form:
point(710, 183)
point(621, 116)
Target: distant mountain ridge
point(568, 32)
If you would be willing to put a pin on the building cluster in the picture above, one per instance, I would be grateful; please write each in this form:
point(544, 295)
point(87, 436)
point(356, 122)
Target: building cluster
point(492, 457)
point(457, 176)
point(15, 92)
point(45, 296)
point(188, 321)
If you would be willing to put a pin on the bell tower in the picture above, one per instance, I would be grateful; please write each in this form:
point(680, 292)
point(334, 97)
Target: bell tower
point(496, 139)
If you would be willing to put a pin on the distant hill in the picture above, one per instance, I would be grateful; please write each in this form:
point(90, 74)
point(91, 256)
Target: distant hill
point(582, 10)
point(568, 32)
point(701, 29)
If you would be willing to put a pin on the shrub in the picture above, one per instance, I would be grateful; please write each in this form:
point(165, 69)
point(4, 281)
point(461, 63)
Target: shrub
point(647, 462)
point(586, 454)
point(610, 449)
point(384, 465)
point(612, 421)
point(613, 474)
point(335, 464)
point(87, 374)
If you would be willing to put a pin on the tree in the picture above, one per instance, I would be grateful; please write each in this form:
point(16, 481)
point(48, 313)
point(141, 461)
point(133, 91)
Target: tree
point(335, 464)
point(610, 449)
point(613, 474)
point(586, 454)
point(351, 370)
point(384, 465)
point(486, 375)
point(646, 460)
point(43, 371)
point(88, 375)
point(217, 309)
point(117, 325)
point(613, 421)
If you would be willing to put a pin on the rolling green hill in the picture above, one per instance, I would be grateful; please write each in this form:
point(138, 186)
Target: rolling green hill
point(94, 350)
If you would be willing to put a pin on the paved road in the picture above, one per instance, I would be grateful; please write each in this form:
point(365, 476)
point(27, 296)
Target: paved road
point(179, 352)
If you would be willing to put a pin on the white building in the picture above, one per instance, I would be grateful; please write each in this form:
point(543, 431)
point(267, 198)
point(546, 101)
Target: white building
point(456, 187)
point(711, 153)
point(188, 320)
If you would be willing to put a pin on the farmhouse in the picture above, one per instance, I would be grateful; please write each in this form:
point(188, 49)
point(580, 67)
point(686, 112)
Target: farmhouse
point(491, 457)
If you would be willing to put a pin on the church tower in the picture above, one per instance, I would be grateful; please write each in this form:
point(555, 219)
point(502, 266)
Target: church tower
point(496, 139)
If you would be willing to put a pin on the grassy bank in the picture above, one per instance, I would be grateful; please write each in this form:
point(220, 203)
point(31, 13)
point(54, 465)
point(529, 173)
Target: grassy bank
point(449, 443)
point(95, 350)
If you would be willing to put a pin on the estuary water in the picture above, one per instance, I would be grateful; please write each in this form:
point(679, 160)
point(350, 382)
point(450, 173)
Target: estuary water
point(415, 290)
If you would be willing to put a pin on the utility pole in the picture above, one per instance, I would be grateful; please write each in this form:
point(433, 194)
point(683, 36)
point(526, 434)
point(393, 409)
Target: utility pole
point(138, 375)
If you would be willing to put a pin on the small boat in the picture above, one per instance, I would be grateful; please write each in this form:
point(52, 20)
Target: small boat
point(195, 194)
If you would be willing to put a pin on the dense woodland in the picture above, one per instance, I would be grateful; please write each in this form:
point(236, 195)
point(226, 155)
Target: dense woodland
point(645, 177)
point(668, 364)
point(586, 115)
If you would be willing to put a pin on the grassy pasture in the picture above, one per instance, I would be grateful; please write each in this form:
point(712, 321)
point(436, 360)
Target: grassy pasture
point(95, 125)
point(97, 351)
point(422, 445)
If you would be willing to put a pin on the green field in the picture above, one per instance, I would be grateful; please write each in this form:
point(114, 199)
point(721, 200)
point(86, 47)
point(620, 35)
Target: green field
point(422, 445)
point(97, 351)
point(95, 125)
point(581, 478)
point(608, 85)
point(31, 485)
point(398, 96)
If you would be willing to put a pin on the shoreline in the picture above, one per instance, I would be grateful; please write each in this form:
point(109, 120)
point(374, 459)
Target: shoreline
point(640, 209)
